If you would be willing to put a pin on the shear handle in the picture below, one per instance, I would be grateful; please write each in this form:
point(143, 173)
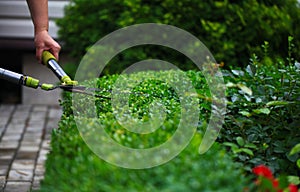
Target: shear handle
point(50, 61)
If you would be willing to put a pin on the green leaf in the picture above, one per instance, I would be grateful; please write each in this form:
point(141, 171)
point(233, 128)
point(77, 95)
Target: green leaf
point(298, 163)
point(251, 145)
point(240, 141)
point(262, 111)
point(294, 180)
point(238, 72)
point(283, 181)
point(247, 151)
point(244, 88)
point(295, 149)
point(250, 69)
point(230, 84)
point(245, 113)
point(276, 103)
point(232, 145)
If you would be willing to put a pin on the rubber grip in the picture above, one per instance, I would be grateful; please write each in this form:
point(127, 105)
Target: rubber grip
point(31, 82)
point(47, 87)
point(46, 56)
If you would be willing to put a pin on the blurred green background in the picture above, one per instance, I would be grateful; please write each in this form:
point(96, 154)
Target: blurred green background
point(231, 30)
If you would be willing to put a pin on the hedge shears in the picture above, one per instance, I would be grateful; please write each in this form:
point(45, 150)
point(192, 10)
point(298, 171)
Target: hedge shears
point(66, 83)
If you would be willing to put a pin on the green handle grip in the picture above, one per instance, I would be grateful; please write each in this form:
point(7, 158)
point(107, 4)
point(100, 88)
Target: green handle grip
point(47, 56)
point(31, 82)
point(50, 61)
point(19, 78)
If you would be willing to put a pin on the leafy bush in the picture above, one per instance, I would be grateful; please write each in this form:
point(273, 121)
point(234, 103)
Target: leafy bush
point(72, 166)
point(232, 30)
point(263, 117)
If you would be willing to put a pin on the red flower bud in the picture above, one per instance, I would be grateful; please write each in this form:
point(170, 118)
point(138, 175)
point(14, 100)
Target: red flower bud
point(264, 171)
point(293, 188)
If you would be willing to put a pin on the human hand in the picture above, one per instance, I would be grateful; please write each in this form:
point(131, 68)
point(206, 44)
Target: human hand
point(44, 42)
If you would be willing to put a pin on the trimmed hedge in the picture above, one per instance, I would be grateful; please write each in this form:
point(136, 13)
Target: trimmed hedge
point(72, 166)
point(261, 127)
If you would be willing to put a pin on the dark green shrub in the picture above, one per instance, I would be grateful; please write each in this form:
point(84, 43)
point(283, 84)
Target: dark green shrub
point(263, 122)
point(71, 166)
point(232, 30)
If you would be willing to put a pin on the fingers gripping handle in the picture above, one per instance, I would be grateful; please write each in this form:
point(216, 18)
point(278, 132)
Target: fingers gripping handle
point(50, 61)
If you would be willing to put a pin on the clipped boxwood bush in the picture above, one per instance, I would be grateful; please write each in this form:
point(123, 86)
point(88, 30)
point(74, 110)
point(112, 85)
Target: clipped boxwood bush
point(232, 30)
point(72, 166)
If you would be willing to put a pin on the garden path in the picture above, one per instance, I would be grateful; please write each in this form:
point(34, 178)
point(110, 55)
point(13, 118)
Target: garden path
point(25, 132)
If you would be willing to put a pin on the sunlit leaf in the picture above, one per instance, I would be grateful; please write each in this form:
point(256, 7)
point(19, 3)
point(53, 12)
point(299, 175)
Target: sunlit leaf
point(277, 103)
point(247, 151)
point(240, 141)
point(250, 145)
point(295, 149)
point(244, 88)
point(238, 72)
point(262, 111)
point(294, 180)
point(245, 113)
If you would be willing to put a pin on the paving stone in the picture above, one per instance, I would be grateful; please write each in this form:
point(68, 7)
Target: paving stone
point(34, 129)
point(26, 155)
point(6, 112)
point(27, 143)
point(17, 186)
point(4, 119)
point(8, 145)
point(23, 164)
point(55, 113)
point(39, 169)
point(4, 170)
point(32, 136)
point(39, 172)
point(31, 141)
point(5, 162)
point(38, 114)
point(37, 182)
point(29, 148)
point(2, 182)
point(25, 132)
point(23, 107)
point(20, 175)
point(46, 144)
point(41, 160)
point(39, 178)
point(15, 128)
point(40, 108)
point(8, 154)
point(35, 186)
point(19, 111)
point(11, 137)
point(2, 129)
point(18, 120)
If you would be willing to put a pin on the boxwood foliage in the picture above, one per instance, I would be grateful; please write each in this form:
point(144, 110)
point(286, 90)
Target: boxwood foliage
point(72, 166)
point(232, 30)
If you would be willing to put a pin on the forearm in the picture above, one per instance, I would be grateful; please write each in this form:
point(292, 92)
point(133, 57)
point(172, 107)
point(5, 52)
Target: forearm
point(42, 40)
point(39, 14)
